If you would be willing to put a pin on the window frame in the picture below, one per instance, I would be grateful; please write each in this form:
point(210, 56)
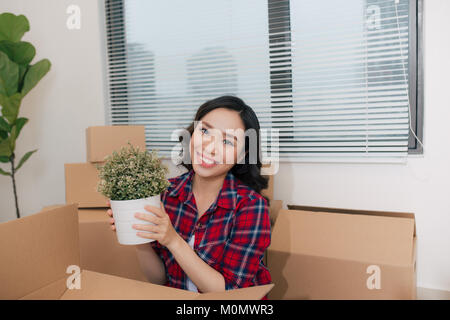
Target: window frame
point(415, 66)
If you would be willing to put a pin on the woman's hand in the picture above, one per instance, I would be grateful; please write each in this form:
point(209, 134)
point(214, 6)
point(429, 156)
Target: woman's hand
point(111, 221)
point(163, 230)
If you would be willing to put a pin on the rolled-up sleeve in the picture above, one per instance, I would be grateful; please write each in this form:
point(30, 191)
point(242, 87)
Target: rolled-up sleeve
point(249, 238)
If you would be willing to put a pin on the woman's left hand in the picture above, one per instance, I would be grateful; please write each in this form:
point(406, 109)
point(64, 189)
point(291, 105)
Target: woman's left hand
point(163, 230)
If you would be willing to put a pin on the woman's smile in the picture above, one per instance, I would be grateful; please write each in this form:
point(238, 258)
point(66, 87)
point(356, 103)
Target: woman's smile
point(206, 162)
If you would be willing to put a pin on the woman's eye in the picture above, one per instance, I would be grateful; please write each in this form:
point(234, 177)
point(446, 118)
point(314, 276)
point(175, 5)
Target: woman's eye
point(203, 129)
point(227, 142)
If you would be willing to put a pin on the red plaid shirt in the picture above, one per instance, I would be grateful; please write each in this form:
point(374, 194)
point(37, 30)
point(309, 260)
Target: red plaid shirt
point(231, 236)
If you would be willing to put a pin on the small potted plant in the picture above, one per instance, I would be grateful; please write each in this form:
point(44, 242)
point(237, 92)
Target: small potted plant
point(131, 179)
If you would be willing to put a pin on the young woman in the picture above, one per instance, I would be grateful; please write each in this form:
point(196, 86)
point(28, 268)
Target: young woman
point(212, 226)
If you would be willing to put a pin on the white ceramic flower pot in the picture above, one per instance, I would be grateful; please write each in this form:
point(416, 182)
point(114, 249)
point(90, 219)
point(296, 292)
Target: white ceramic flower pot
point(123, 213)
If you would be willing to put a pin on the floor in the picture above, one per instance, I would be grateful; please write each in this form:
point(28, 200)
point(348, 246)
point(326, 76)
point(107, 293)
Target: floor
point(432, 294)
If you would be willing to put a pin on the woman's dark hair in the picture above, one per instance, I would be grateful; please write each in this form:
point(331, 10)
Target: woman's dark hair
point(248, 173)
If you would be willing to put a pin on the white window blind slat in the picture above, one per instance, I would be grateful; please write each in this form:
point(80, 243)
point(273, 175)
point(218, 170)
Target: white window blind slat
point(328, 75)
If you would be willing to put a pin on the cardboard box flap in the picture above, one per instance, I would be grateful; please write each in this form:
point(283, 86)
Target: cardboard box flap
point(93, 215)
point(99, 286)
point(86, 215)
point(370, 238)
point(36, 250)
point(407, 215)
point(250, 293)
point(53, 291)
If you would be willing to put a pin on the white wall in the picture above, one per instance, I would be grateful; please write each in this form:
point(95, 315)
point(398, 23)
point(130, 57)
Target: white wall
point(66, 101)
point(71, 98)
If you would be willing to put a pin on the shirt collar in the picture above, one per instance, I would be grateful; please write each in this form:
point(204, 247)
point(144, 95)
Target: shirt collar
point(227, 197)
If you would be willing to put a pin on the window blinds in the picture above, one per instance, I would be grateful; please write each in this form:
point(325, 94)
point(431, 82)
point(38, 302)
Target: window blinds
point(350, 78)
point(327, 79)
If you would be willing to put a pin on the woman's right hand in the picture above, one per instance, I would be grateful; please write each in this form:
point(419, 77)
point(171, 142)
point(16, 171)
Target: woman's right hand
point(111, 221)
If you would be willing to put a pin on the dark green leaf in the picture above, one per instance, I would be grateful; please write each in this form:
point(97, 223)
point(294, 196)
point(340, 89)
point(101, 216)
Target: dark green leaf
point(22, 71)
point(10, 106)
point(5, 149)
point(20, 122)
point(34, 75)
point(9, 75)
point(21, 52)
point(5, 173)
point(3, 134)
point(4, 159)
point(4, 125)
point(25, 158)
point(13, 27)
point(15, 131)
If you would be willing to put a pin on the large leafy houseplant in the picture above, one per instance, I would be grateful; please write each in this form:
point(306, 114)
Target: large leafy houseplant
point(131, 179)
point(17, 78)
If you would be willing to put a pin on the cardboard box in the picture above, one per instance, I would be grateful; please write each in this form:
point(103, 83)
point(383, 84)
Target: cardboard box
point(101, 252)
point(81, 185)
point(275, 207)
point(328, 253)
point(102, 141)
point(37, 251)
point(268, 192)
point(99, 249)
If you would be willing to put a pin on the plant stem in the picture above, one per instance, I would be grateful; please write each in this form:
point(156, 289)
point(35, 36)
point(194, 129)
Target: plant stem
point(14, 186)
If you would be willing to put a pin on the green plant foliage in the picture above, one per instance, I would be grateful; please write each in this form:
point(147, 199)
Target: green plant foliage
point(13, 27)
point(17, 78)
point(132, 174)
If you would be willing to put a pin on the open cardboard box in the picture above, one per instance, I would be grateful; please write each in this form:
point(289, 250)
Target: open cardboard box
point(329, 253)
point(99, 249)
point(37, 252)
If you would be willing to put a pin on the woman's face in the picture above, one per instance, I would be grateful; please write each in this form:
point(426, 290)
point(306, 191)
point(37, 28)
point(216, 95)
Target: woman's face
point(217, 143)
